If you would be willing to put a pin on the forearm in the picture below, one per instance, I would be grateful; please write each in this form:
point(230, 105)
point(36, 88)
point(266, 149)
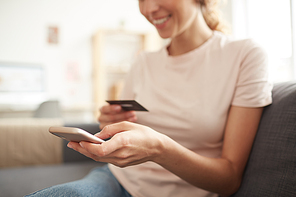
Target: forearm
point(213, 174)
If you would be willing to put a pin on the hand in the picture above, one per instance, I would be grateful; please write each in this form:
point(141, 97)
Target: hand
point(130, 144)
point(113, 113)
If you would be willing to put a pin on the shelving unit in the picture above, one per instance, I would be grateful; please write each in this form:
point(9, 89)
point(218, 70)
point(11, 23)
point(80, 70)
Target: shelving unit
point(113, 52)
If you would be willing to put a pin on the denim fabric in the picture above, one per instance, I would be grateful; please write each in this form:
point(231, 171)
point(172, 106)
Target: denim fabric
point(99, 182)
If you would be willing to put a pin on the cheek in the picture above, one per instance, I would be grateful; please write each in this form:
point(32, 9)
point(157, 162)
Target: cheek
point(141, 9)
point(143, 13)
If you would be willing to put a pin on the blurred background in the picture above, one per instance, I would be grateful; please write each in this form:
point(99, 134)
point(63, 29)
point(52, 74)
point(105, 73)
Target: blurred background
point(63, 58)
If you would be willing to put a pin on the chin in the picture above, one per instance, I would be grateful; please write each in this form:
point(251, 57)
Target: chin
point(164, 35)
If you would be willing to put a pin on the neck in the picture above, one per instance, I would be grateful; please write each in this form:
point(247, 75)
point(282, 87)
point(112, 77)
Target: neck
point(193, 37)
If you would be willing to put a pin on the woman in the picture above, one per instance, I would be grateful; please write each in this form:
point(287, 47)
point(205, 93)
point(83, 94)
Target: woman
point(205, 94)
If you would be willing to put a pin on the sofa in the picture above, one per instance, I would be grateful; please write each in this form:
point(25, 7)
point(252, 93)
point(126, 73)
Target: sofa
point(36, 159)
point(271, 168)
point(270, 171)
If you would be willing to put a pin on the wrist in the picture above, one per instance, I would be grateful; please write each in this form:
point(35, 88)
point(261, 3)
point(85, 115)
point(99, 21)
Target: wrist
point(162, 149)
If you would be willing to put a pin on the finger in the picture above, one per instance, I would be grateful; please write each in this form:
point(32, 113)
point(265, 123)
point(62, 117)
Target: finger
point(76, 146)
point(113, 118)
point(122, 159)
point(112, 129)
point(110, 109)
point(132, 119)
point(104, 121)
point(110, 119)
point(112, 152)
point(128, 162)
point(94, 149)
point(106, 148)
point(97, 152)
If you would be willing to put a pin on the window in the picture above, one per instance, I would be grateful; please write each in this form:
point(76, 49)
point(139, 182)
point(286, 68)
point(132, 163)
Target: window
point(269, 22)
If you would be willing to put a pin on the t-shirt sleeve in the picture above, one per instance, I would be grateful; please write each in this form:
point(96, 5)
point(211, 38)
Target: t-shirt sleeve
point(253, 88)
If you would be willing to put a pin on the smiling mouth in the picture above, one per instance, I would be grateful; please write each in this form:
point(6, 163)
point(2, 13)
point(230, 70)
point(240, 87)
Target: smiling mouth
point(161, 21)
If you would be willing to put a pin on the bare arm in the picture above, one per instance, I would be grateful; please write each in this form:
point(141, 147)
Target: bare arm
point(221, 175)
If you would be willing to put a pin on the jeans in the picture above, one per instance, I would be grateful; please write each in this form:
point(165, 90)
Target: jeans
point(99, 182)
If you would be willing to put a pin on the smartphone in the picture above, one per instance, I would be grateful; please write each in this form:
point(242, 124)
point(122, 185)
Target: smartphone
point(74, 134)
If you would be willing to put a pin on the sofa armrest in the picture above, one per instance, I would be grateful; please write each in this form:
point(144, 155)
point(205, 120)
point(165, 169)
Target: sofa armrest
point(26, 141)
point(70, 155)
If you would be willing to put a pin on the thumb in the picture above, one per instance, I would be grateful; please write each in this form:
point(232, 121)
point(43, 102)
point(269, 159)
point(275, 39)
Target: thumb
point(112, 129)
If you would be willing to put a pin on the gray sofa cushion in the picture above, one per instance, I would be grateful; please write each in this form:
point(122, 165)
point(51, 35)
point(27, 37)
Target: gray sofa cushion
point(271, 169)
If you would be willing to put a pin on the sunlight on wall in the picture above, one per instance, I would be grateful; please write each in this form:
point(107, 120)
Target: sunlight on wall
point(269, 23)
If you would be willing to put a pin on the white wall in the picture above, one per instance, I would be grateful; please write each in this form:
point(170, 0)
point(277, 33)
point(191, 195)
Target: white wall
point(23, 38)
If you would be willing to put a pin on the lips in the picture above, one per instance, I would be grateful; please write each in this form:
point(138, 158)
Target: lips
point(161, 21)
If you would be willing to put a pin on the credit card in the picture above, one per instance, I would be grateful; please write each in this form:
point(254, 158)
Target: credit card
point(128, 105)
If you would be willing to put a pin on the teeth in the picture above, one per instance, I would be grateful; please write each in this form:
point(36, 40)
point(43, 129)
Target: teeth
point(160, 21)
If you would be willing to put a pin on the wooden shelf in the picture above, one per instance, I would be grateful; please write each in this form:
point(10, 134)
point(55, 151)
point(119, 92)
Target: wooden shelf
point(113, 52)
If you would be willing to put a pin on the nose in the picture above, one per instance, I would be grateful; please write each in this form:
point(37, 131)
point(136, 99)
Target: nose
point(148, 7)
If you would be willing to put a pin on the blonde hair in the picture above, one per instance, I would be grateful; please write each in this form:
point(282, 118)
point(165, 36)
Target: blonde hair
point(213, 16)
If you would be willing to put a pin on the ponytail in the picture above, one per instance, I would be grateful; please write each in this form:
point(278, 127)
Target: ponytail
point(213, 16)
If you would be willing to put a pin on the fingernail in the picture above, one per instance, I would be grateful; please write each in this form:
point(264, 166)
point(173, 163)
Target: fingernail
point(69, 145)
point(80, 143)
point(130, 114)
point(117, 108)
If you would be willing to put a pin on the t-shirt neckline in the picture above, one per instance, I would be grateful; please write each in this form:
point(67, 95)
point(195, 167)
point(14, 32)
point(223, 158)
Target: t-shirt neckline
point(192, 53)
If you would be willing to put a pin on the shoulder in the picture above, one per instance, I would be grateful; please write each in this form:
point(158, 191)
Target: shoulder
point(242, 46)
point(238, 50)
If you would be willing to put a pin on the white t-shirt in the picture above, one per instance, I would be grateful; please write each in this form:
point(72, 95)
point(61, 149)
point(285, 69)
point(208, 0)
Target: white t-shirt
point(188, 98)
